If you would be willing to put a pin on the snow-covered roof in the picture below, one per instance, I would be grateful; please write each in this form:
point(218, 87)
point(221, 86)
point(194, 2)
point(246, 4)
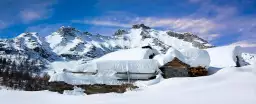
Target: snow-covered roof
point(169, 56)
point(134, 66)
point(196, 57)
point(224, 56)
point(129, 54)
point(191, 56)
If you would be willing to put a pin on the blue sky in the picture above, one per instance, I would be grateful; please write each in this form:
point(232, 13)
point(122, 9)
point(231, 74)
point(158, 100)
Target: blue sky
point(221, 22)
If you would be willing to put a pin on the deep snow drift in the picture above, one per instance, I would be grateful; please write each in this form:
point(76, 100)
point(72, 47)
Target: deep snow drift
point(228, 86)
point(225, 56)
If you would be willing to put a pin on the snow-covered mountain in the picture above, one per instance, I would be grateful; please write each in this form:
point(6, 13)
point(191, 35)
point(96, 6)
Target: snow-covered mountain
point(73, 44)
point(141, 35)
point(70, 44)
point(27, 46)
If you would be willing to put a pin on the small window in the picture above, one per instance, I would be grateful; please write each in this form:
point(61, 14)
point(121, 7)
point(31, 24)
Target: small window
point(149, 47)
point(151, 56)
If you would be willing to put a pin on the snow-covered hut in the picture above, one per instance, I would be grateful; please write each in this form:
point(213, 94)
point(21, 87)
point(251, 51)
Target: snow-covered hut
point(198, 61)
point(130, 63)
point(172, 64)
point(129, 69)
point(187, 62)
point(133, 63)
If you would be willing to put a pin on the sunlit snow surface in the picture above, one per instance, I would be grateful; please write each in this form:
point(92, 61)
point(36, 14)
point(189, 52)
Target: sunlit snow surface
point(228, 86)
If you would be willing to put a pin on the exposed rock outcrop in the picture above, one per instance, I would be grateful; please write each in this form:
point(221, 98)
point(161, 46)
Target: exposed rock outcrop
point(137, 26)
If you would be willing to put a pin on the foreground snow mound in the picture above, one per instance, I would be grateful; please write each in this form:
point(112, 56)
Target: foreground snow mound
point(129, 54)
point(224, 56)
point(228, 86)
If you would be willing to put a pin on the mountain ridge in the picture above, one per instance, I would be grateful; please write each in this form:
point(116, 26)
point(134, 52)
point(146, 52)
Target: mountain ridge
point(68, 43)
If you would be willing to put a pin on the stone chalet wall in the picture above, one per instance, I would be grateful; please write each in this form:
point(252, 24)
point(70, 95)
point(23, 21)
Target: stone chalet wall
point(175, 68)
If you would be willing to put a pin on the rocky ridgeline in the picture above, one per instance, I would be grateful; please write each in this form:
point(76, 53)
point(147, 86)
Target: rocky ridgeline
point(142, 26)
point(67, 31)
point(189, 37)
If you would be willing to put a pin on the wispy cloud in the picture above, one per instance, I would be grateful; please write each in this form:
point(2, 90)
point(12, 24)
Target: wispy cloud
point(195, 1)
point(3, 25)
point(211, 21)
point(245, 44)
point(28, 15)
point(201, 26)
point(103, 23)
point(32, 15)
point(25, 11)
point(36, 11)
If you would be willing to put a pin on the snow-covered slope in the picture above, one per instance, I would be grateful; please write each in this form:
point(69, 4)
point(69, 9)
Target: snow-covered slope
point(228, 86)
point(225, 56)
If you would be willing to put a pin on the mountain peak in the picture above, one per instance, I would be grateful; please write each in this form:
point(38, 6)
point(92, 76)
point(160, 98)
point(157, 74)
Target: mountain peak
point(28, 34)
point(138, 26)
point(67, 31)
point(120, 32)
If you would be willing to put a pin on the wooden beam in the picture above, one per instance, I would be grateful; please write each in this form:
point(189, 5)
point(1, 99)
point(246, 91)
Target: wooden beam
point(68, 71)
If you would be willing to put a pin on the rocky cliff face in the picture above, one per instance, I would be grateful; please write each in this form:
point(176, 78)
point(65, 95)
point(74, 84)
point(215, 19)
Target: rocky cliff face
point(194, 39)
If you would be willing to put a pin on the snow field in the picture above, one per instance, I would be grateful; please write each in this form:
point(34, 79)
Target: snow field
point(228, 86)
